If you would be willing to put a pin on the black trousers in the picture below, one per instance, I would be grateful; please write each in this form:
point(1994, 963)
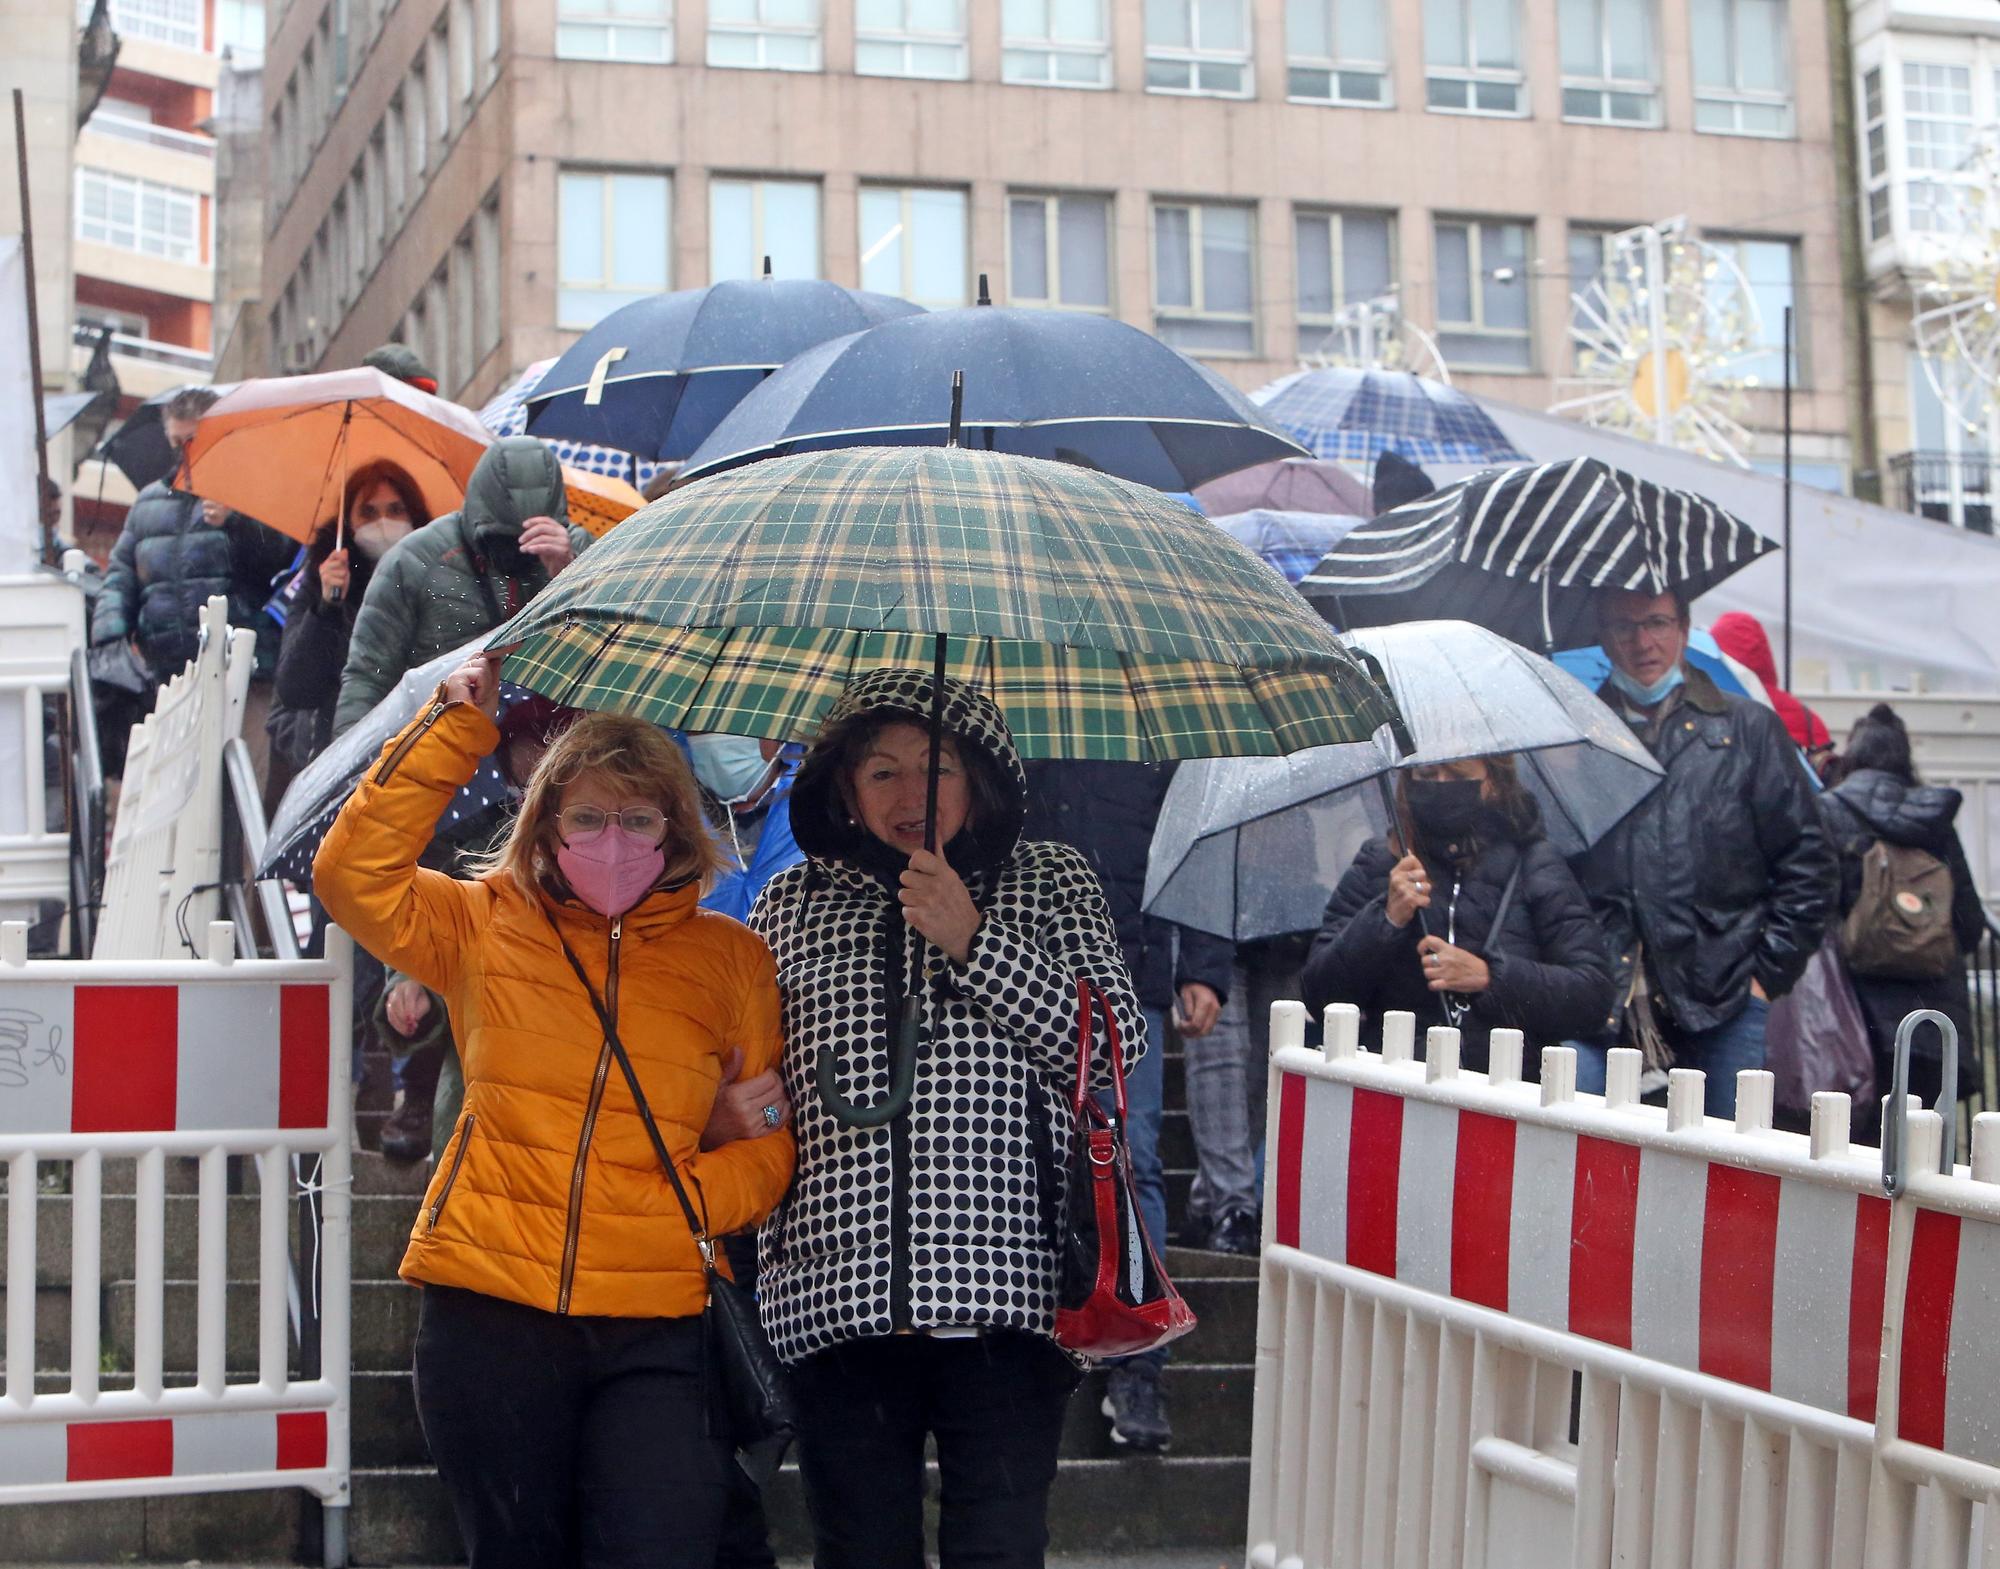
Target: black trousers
point(570, 1441)
point(994, 1403)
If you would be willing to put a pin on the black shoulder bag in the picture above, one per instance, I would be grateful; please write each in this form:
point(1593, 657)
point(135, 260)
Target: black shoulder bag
point(749, 1405)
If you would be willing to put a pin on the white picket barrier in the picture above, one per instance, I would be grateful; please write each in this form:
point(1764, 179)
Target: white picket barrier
point(1505, 1325)
point(166, 846)
point(41, 624)
point(142, 1061)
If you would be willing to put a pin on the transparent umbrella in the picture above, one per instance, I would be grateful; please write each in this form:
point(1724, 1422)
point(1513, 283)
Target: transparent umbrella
point(1250, 847)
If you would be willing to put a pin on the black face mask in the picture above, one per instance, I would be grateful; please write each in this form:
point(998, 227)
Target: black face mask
point(1445, 809)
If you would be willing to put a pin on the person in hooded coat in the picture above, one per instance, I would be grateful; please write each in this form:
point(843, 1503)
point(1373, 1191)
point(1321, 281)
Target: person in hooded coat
point(1743, 638)
point(462, 575)
point(1878, 795)
point(1481, 926)
point(909, 1279)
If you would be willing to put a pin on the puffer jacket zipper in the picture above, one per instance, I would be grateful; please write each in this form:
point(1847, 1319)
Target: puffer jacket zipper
point(457, 1160)
point(395, 759)
point(574, 1230)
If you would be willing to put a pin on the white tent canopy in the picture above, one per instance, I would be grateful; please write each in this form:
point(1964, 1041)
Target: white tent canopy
point(1881, 600)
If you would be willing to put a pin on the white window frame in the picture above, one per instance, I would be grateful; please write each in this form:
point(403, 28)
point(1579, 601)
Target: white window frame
point(1195, 310)
point(617, 26)
point(1052, 247)
point(905, 240)
point(758, 246)
point(1874, 157)
point(1773, 327)
point(1607, 85)
point(1477, 271)
point(172, 198)
point(1473, 77)
point(1197, 54)
point(1050, 49)
point(909, 39)
point(1314, 323)
point(1337, 64)
point(608, 229)
point(487, 310)
point(1736, 98)
point(175, 22)
point(761, 32)
point(1926, 173)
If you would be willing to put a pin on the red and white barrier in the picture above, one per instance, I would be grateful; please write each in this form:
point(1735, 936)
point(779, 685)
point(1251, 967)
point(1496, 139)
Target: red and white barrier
point(144, 1061)
point(1508, 1324)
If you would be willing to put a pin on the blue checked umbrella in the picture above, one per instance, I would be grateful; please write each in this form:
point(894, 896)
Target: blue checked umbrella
point(506, 414)
point(1357, 415)
point(1290, 543)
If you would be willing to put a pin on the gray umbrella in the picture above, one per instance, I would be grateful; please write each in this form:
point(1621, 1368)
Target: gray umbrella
point(1249, 847)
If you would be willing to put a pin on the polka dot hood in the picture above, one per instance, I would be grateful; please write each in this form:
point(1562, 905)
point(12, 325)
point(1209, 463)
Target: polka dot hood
point(949, 1217)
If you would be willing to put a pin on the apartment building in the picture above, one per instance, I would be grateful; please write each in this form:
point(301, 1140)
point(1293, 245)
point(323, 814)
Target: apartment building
point(482, 178)
point(144, 230)
point(1926, 85)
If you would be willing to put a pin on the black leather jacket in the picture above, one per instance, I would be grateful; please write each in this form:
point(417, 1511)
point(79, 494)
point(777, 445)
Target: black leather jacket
point(1723, 872)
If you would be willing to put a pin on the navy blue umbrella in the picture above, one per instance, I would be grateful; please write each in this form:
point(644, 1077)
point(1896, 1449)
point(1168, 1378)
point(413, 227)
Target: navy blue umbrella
point(1038, 383)
point(654, 377)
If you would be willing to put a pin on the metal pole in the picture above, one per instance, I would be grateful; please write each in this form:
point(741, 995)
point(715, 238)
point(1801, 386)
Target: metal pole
point(1788, 499)
point(34, 327)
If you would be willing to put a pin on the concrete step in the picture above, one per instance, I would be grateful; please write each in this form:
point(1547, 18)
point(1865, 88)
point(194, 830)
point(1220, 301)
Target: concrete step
point(384, 1326)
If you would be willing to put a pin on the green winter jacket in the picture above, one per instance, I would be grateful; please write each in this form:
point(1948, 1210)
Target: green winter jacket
point(446, 583)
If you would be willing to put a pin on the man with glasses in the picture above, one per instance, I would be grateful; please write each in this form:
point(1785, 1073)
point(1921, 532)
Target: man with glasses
point(1715, 891)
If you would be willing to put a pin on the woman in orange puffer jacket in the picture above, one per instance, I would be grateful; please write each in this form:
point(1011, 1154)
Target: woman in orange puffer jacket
point(558, 1358)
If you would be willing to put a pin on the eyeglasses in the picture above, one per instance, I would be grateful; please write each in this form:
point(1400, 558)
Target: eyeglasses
point(587, 822)
point(1632, 631)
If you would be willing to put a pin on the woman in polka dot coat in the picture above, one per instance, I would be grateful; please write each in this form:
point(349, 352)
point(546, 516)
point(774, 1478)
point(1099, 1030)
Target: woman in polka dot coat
point(909, 1278)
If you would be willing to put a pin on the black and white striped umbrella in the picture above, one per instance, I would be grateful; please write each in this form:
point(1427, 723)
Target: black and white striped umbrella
point(1523, 551)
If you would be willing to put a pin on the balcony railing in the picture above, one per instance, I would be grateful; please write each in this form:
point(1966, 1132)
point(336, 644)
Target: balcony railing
point(1954, 488)
point(177, 355)
point(165, 136)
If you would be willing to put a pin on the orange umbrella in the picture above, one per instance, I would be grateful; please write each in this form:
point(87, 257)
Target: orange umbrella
point(280, 449)
point(597, 502)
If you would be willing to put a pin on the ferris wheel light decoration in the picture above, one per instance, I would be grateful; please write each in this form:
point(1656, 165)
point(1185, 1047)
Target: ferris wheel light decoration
point(1664, 340)
point(1375, 335)
point(1956, 325)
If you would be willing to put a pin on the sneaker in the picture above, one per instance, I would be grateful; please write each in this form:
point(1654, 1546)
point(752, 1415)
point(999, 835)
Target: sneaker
point(1239, 1234)
point(406, 1135)
point(1137, 1407)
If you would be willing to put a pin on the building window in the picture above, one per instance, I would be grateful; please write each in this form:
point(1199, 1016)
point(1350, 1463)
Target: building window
point(126, 324)
point(614, 242)
point(1875, 153)
point(764, 35)
point(641, 30)
point(1055, 43)
point(1771, 269)
point(1938, 126)
point(1472, 57)
point(1611, 72)
point(1590, 262)
point(913, 244)
point(1337, 51)
point(437, 295)
point(239, 26)
point(418, 122)
point(1342, 259)
point(910, 38)
point(486, 275)
point(1198, 46)
point(1742, 67)
point(138, 215)
point(438, 74)
point(1059, 252)
point(395, 160)
point(1204, 277)
point(464, 62)
point(176, 22)
point(1482, 294)
point(751, 220)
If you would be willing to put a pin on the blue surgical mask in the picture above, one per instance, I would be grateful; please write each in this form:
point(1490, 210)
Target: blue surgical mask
point(1646, 696)
point(729, 765)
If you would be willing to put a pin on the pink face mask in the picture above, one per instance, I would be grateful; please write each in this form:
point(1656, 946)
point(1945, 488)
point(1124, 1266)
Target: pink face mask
point(612, 870)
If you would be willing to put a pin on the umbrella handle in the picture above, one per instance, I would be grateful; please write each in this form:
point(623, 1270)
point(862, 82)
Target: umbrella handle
point(902, 1076)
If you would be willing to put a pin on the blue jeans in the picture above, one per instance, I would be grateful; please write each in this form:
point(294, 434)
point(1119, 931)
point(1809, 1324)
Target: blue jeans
point(1145, 1103)
point(1721, 1053)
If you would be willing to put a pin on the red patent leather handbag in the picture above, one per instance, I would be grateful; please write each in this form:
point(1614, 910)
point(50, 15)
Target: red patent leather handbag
point(1114, 1297)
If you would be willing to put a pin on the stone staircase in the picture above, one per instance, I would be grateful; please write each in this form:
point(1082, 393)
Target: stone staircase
point(1196, 1496)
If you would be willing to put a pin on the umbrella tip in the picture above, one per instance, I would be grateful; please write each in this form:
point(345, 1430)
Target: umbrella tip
point(767, 266)
point(985, 295)
point(957, 406)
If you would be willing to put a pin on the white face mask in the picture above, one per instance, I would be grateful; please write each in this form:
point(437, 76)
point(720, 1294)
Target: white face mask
point(730, 765)
point(374, 539)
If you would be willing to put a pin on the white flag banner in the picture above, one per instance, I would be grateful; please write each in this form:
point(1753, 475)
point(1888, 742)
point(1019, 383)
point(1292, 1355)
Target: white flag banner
point(20, 511)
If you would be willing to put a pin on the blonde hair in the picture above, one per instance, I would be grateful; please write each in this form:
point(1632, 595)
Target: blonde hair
point(632, 757)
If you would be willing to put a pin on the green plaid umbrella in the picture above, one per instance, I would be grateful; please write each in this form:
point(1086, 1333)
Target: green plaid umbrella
point(1106, 620)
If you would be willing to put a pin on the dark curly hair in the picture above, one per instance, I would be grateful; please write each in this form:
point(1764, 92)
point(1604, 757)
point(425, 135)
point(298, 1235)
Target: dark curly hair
point(1879, 740)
